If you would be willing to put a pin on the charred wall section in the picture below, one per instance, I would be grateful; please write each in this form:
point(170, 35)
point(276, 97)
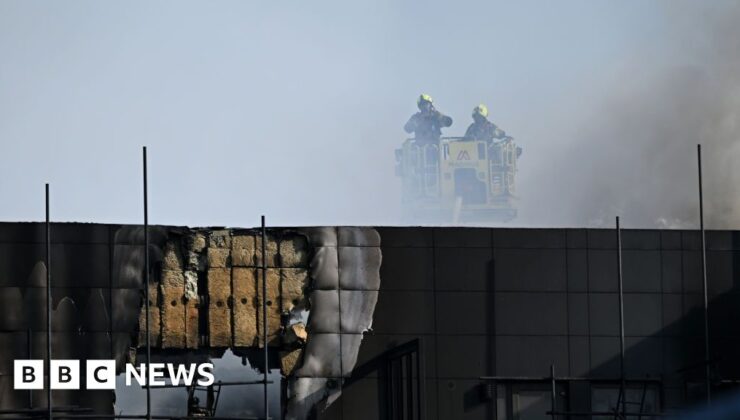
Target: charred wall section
point(95, 303)
point(205, 297)
point(483, 302)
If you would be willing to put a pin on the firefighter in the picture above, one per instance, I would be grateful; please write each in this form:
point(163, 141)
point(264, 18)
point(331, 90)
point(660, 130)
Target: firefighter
point(428, 122)
point(481, 128)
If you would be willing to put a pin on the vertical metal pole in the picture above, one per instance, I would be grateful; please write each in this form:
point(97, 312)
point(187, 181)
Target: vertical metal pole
point(419, 381)
point(553, 406)
point(704, 280)
point(623, 390)
point(410, 385)
point(48, 304)
point(146, 280)
point(29, 353)
point(389, 394)
point(264, 309)
point(341, 349)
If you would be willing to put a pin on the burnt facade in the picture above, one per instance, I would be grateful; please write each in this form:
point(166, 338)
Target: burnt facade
point(477, 317)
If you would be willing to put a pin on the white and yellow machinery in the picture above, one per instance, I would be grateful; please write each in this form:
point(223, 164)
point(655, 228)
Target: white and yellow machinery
point(458, 180)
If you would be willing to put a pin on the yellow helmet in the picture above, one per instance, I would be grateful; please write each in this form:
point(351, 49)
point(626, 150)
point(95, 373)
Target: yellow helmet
point(424, 98)
point(481, 110)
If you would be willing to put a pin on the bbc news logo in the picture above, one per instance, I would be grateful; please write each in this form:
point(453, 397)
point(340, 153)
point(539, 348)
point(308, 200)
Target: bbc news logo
point(101, 374)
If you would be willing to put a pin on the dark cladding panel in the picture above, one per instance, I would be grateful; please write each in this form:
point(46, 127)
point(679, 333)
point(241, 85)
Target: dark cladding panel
point(670, 239)
point(22, 264)
point(97, 345)
point(17, 233)
point(643, 356)
point(465, 313)
point(690, 239)
point(125, 309)
point(693, 356)
point(128, 266)
point(640, 239)
point(529, 238)
point(407, 269)
point(725, 351)
point(12, 317)
point(604, 313)
point(80, 265)
point(577, 261)
point(673, 398)
point(332, 412)
point(373, 345)
point(14, 346)
point(89, 233)
point(19, 398)
point(80, 309)
point(577, 314)
point(672, 315)
point(724, 315)
point(576, 238)
point(602, 270)
point(462, 237)
point(466, 356)
point(602, 238)
point(100, 401)
point(530, 270)
point(605, 357)
point(722, 267)
point(121, 344)
point(73, 265)
point(579, 352)
point(641, 271)
point(460, 399)
point(401, 312)
point(725, 240)
point(76, 233)
point(692, 278)
point(671, 271)
point(531, 314)
point(360, 401)
point(65, 344)
point(463, 269)
point(642, 314)
point(693, 312)
point(96, 310)
point(524, 356)
point(34, 308)
point(675, 354)
point(405, 237)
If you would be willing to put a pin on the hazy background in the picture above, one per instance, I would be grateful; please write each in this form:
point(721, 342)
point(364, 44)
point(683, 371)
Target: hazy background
point(292, 109)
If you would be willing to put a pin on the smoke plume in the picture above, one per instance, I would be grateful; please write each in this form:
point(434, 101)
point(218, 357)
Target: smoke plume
point(633, 154)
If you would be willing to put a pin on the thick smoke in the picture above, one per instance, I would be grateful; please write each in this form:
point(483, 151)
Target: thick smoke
point(634, 153)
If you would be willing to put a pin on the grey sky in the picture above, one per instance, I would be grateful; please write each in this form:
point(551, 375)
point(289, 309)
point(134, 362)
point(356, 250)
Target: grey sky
point(293, 109)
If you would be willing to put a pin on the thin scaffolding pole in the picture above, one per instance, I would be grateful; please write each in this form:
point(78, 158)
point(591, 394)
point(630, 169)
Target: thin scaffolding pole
point(553, 408)
point(146, 280)
point(29, 353)
point(341, 349)
point(419, 381)
point(48, 306)
point(409, 385)
point(622, 389)
point(264, 311)
point(704, 279)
